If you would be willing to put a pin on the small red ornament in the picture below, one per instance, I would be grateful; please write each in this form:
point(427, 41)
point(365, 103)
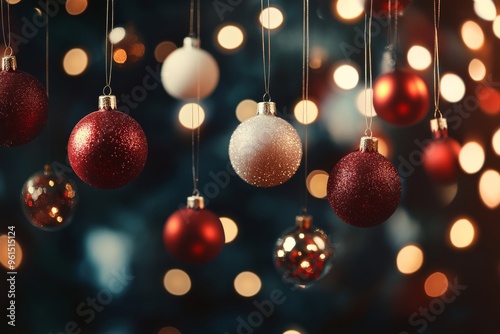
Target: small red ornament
point(193, 235)
point(107, 148)
point(24, 106)
point(400, 97)
point(383, 8)
point(364, 188)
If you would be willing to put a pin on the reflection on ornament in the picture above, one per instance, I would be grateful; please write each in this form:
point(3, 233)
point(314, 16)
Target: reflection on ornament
point(384, 8)
point(23, 105)
point(193, 235)
point(364, 188)
point(190, 72)
point(400, 97)
point(265, 150)
point(107, 148)
point(303, 255)
point(49, 199)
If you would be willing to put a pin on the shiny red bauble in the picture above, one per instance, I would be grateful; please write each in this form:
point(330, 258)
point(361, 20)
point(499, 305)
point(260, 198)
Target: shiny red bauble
point(441, 160)
point(193, 236)
point(401, 97)
point(387, 7)
point(107, 149)
point(24, 106)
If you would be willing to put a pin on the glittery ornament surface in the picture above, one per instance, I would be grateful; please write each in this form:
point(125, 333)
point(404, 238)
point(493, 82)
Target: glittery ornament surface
point(441, 160)
point(23, 108)
point(107, 149)
point(193, 236)
point(265, 151)
point(364, 189)
point(303, 256)
point(49, 200)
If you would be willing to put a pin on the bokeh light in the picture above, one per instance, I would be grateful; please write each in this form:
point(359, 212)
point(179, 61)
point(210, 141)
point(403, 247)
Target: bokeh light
point(471, 157)
point(4, 253)
point(230, 37)
point(246, 109)
point(163, 50)
point(191, 115)
point(177, 282)
point(346, 77)
point(316, 183)
point(120, 56)
point(419, 57)
point(477, 70)
point(117, 35)
point(363, 107)
point(73, 7)
point(496, 142)
point(292, 331)
point(410, 259)
point(489, 188)
point(169, 330)
point(230, 229)
point(485, 9)
point(349, 10)
point(247, 284)
point(472, 35)
point(496, 26)
point(13, 2)
point(462, 233)
point(306, 112)
point(436, 284)
point(75, 61)
point(383, 147)
point(271, 18)
point(452, 87)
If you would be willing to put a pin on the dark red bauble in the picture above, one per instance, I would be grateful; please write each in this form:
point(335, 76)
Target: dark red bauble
point(441, 160)
point(401, 97)
point(24, 107)
point(364, 189)
point(193, 236)
point(387, 7)
point(107, 149)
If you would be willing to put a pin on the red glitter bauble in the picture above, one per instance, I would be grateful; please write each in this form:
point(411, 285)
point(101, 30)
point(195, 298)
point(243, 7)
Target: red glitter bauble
point(441, 160)
point(364, 189)
point(400, 97)
point(107, 149)
point(24, 107)
point(387, 7)
point(193, 236)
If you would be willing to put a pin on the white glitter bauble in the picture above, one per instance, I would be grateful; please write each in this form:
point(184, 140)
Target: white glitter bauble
point(187, 68)
point(265, 150)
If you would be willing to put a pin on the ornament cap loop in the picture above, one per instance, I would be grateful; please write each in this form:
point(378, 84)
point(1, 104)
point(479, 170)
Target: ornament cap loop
point(266, 108)
point(107, 102)
point(9, 63)
point(195, 202)
point(368, 144)
point(303, 222)
point(191, 42)
point(439, 128)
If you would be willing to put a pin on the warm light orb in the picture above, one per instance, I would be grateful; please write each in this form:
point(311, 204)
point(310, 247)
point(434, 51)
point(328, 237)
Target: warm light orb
point(247, 284)
point(452, 87)
point(230, 37)
point(419, 57)
point(292, 331)
point(117, 35)
point(75, 61)
point(462, 233)
point(346, 77)
point(489, 188)
point(163, 50)
point(230, 229)
point(306, 112)
point(169, 330)
point(472, 35)
point(349, 10)
point(410, 259)
point(246, 109)
point(361, 103)
point(120, 56)
point(436, 284)
point(73, 7)
point(496, 142)
point(316, 183)
point(471, 157)
point(4, 253)
point(191, 115)
point(485, 9)
point(177, 282)
point(477, 70)
point(496, 26)
point(271, 18)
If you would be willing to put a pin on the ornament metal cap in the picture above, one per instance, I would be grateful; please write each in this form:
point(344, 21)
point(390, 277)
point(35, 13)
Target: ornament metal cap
point(191, 42)
point(266, 108)
point(439, 128)
point(368, 144)
point(107, 102)
point(9, 63)
point(303, 222)
point(195, 202)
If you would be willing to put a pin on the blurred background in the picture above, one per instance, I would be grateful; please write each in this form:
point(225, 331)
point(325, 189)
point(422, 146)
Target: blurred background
point(433, 267)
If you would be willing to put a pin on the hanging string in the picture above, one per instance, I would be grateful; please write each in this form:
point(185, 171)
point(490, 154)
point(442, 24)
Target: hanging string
point(368, 71)
point(108, 63)
point(266, 63)
point(6, 39)
point(436, 72)
point(47, 48)
point(305, 94)
point(195, 134)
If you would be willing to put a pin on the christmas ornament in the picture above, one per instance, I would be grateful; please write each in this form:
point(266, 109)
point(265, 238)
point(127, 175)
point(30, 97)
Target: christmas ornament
point(23, 105)
point(193, 235)
point(49, 200)
point(387, 7)
point(303, 255)
point(400, 97)
point(364, 188)
point(190, 72)
point(265, 150)
point(107, 148)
